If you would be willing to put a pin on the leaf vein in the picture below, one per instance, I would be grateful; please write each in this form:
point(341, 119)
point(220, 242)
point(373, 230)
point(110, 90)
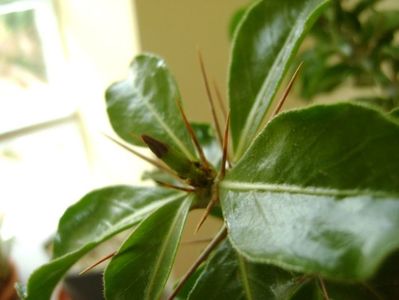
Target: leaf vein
point(159, 259)
point(169, 131)
point(295, 189)
point(244, 277)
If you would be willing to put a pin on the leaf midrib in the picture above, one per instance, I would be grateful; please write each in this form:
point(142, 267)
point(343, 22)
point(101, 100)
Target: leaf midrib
point(168, 130)
point(244, 134)
point(244, 277)
point(296, 189)
point(258, 99)
point(125, 223)
point(159, 260)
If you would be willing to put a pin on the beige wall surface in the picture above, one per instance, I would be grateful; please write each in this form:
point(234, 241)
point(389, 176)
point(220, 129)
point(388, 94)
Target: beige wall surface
point(175, 29)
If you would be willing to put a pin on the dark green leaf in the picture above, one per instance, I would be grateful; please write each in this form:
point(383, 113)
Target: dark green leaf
point(145, 103)
point(313, 291)
point(235, 21)
point(105, 211)
point(263, 48)
point(223, 278)
point(44, 279)
point(228, 275)
point(189, 284)
point(97, 217)
point(142, 265)
point(384, 286)
point(318, 192)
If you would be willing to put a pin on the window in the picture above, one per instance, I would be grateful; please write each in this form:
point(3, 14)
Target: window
point(43, 158)
point(31, 64)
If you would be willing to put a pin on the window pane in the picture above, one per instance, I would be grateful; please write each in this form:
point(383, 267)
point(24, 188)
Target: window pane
point(27, 51)
point(41, 174)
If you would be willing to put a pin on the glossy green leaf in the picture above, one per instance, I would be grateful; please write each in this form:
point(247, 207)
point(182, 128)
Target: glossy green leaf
point(313, 291)
point(263, 48)
point(189, 284)
point(142, 265)
point(235, 20)
point(145, 103)
point(318, 192)
point(97, 217)
point(381, 287)
point(228, 275)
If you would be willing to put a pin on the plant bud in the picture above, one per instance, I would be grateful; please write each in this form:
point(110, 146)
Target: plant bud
point(185, 168)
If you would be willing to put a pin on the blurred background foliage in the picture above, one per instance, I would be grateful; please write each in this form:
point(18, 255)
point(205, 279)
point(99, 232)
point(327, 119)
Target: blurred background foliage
point(21, 55)
point(353, 41)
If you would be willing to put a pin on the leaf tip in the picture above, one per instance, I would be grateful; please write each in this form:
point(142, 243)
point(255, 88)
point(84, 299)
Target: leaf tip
point(158, 148)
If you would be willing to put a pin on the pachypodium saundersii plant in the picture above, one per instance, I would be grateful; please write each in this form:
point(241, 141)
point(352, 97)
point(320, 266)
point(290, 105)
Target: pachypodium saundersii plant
point(309, 199)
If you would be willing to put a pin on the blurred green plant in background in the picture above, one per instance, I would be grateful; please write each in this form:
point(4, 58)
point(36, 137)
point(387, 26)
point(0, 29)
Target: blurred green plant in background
point(21, 53)
point(354, 41)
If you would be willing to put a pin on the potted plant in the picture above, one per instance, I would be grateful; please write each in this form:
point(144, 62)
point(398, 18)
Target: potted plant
point(309, 197)
point(8, 273)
